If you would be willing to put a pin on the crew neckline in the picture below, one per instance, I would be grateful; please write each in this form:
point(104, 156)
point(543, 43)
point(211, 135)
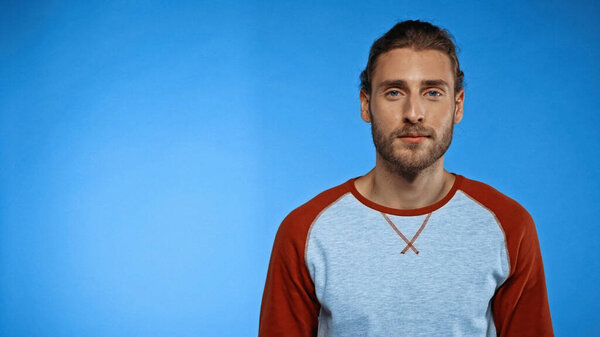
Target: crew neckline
point(406, 212)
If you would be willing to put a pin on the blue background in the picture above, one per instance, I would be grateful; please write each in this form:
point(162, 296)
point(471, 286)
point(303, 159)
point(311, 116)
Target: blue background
point(149, 150)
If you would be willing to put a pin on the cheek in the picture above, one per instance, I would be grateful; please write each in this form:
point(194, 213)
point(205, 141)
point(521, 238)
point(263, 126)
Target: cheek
point(447, 125)
point(387, 111)
point(439, 107)
point(442, 114)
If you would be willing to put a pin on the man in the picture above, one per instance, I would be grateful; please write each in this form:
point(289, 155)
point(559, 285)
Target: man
point(409, 249)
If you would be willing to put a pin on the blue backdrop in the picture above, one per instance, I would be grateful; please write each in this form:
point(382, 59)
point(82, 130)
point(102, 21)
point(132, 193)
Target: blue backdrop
point(149, 150)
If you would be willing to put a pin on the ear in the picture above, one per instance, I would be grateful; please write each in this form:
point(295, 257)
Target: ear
point(364, 106)
point(459, 101)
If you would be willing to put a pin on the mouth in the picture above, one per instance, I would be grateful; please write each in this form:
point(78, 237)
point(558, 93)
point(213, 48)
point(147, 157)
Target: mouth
point(413, 138)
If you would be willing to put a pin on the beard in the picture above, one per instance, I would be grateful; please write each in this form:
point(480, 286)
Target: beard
point(414, 157)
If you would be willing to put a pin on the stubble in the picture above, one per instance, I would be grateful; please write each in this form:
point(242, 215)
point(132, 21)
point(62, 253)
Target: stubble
point(413, 158)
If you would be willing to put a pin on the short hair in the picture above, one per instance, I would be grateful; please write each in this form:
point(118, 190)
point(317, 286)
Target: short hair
point(417, 35)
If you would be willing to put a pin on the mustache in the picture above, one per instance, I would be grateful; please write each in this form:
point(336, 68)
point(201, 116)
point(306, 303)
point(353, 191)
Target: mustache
point(412, 130)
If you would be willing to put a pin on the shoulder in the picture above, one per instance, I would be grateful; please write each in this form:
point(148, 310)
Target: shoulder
point(294, 228)
point(310, 209)
point(489, 196)
point(514, 219)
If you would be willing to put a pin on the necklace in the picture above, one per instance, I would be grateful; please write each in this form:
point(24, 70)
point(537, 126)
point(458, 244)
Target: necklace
point(409, 244)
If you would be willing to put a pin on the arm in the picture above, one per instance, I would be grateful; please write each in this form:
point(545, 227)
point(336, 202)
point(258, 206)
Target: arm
point(289, 304)
point(520, 305)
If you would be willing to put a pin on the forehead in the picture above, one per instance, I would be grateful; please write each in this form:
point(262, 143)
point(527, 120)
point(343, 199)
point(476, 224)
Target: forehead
point(413, 66)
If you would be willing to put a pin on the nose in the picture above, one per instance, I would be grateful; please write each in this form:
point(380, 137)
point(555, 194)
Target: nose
point(413, 112)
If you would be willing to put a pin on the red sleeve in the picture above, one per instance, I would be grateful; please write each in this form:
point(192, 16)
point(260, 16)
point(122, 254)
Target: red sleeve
point(520, 305)
point(289, 304)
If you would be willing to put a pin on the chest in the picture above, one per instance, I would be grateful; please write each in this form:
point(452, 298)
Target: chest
point(372, 270)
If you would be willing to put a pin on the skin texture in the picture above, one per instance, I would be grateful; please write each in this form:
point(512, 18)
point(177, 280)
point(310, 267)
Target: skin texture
point(412, 94)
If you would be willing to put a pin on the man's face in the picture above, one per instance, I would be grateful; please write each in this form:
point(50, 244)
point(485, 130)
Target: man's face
point(412, 94)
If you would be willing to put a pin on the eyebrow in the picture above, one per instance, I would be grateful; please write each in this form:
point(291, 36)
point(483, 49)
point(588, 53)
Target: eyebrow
point(403, 84)
point(435, 83)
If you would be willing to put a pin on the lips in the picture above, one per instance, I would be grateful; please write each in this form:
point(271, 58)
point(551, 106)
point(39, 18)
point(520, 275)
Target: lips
point(413, 138)
point(413, 135)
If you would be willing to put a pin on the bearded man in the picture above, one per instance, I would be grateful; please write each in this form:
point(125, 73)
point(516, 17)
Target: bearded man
point(408, 249)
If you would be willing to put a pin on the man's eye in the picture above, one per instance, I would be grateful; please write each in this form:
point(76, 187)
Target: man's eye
point(394, 93)
point(434, 93)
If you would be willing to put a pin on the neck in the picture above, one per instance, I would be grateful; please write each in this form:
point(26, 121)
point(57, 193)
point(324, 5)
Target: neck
point(405, 191)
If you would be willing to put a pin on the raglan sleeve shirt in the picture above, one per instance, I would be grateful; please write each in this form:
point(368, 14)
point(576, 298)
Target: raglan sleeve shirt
point(290, 306)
